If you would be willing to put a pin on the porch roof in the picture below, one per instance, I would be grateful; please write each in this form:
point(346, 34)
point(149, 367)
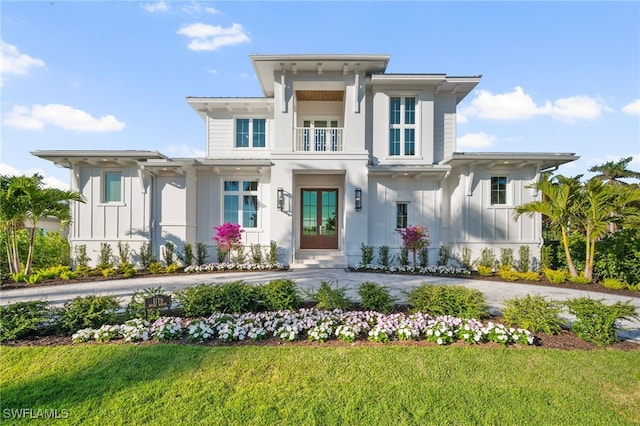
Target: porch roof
point(66, 158)
point(544, 160)
point(410, 171)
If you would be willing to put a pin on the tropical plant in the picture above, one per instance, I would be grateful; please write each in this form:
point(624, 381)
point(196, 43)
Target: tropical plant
point(25, 199)
point(558, 195)
point(612, 172)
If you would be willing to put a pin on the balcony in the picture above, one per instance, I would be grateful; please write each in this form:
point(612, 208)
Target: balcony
point(318, 139)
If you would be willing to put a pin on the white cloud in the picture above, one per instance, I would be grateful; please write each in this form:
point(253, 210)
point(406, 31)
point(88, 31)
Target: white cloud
point(213, 71)
point(633, 108)
point(14, 62)
point(63, 116)
point(209, 37)
point(199, 8)
point(184, 151)
point(50, 182)
point(518, 105)
point(160, 6)
point(461, 118)
point(7, 170)
point(573, 108)
point(476, 140)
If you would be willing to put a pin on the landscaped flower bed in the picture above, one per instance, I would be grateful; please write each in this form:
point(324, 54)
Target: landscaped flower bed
point(231, 266)
point(315, 325)
point(445, 271)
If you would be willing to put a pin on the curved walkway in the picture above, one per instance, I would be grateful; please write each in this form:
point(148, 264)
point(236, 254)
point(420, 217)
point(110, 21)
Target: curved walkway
point(309, 279)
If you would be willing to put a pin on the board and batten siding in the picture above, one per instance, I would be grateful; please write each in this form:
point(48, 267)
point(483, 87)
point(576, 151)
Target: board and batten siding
point(474, 223)
point(423, 198)
point(96, 222)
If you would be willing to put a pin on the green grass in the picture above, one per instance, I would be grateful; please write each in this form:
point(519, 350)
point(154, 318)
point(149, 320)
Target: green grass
point(187, 384)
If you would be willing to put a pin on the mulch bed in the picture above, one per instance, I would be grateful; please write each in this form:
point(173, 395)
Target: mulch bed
point(565, 340)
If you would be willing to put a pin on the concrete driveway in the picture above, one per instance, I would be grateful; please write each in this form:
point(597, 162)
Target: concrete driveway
point(309, 279)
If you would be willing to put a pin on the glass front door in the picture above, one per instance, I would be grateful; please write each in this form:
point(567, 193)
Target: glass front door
point(319, 221)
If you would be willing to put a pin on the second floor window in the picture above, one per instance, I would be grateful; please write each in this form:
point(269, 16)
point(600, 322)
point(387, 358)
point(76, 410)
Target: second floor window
point(402, 125)
point(251, 133)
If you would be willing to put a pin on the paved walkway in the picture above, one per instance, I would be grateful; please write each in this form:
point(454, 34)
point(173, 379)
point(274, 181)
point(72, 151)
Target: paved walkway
point(309, 279)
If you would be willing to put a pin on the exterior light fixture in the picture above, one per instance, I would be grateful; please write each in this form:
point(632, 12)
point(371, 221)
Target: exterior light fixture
point(358, 199)
point(280, 199)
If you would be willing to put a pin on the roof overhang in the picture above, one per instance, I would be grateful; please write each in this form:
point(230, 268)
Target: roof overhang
point(105, 158)
point(208, 106)
point(543, 160)
point(435, 171)
point(460, 87)
point(267, 65)
point(217, 165)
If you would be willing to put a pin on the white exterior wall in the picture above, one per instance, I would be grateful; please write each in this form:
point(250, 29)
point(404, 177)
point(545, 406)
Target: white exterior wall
point(423, 198)
point(444, 127)
point(471, 221)
point(95, 222)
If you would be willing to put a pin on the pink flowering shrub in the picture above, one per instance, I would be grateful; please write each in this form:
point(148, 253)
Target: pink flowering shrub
point(228, 236)
point(414, 239)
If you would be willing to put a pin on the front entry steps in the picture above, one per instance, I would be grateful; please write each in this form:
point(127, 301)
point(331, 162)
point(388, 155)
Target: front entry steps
point(319, 259)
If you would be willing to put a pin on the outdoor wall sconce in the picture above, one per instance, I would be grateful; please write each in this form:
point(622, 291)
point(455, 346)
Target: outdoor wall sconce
point(358, 199)
point(280, 199)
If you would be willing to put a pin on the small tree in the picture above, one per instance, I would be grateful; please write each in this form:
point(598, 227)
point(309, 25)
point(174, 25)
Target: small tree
point(414, 239)
point(228, 237)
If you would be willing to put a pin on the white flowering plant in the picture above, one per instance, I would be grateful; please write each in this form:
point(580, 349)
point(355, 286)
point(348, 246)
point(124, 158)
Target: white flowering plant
point(167, 328)
point(315, 325)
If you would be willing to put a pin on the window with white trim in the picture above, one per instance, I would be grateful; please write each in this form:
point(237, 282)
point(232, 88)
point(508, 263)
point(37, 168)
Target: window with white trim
point(251, 132)
point(240, 202)
point(402, 215)
point(112, 187)
point(498, 190)
point(402, 125)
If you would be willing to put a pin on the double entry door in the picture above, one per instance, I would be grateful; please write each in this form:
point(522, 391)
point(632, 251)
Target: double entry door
point(319, 220)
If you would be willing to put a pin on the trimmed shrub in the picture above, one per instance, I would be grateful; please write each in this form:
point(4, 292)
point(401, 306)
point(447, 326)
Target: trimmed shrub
point(597, 322)
point(555, 277)
point(278, 295)
point(529, 276)
point(327, 297)
point(447, 300)
point(508, 274)
point(384, 257)
point(367, 254)
point(88, 312)
point(534, 313)
point(375, 297)
point(485, 271)
point(24, 319)
point(205, 299)
point(198, 301)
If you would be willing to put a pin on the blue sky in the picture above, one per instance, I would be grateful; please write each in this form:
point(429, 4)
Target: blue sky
point(557, 76)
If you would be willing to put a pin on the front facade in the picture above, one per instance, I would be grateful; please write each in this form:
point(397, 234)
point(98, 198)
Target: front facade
point(336, 154)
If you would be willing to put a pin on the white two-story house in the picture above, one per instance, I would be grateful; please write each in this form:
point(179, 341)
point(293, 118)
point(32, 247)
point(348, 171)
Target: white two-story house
point(336, 153)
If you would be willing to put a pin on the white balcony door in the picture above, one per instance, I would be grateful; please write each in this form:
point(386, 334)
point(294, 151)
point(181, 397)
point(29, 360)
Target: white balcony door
point(321, 135)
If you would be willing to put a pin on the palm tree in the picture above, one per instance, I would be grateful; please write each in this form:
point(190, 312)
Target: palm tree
point(23, 199)
point(612, 171)
point(558, 197)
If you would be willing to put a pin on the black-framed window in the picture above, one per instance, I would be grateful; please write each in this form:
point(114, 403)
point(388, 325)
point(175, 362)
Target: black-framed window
point(402, 215)
point(498, 190)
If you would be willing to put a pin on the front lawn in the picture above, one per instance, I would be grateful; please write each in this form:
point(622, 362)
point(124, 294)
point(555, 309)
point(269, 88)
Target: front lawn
point(190, 384)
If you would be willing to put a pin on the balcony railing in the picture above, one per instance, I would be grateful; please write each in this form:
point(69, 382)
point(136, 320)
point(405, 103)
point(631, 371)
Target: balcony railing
point(319, 139)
